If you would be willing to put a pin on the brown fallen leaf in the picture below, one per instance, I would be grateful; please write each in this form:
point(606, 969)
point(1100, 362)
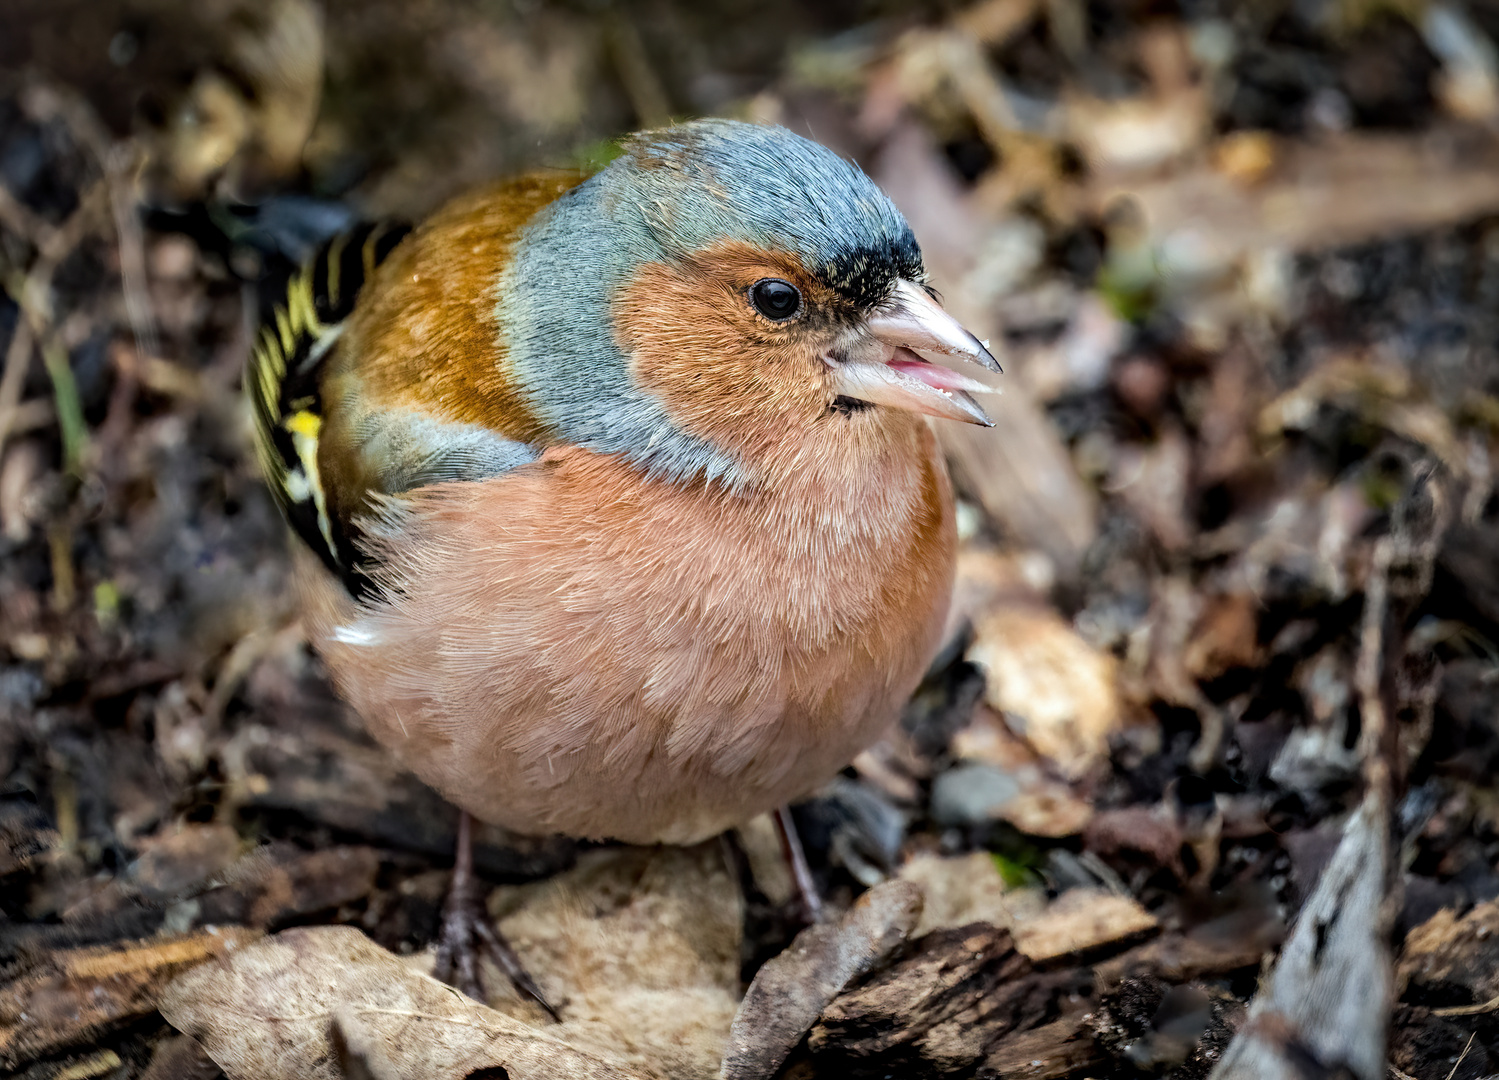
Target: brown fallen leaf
point(1079, 921)
point(1058, 691)
point(640, 949)
point(792, 989)
point(268, 1012)
point(1151, 830)
point(963, 889)
point(1226, 636)
point(78, 994)
point(1047, 809)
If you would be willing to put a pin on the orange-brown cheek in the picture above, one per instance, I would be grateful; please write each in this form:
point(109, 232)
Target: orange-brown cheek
point(720, 371)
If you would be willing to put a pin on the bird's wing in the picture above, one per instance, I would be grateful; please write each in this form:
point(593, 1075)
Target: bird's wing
point(383, 370)
point(284, 375)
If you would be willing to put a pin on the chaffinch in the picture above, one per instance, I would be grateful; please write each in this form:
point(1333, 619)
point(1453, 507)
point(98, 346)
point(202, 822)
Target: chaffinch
point(630, 523)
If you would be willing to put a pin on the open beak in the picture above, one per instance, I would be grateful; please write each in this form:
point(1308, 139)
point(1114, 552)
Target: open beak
point(881, 367)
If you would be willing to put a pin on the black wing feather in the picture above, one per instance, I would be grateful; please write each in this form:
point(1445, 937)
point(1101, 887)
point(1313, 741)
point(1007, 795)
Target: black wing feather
point(298, 331)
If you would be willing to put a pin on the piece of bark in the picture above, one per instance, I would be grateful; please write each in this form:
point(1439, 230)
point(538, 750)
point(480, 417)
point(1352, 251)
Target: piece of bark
point(792, 989)
point(954, 996)
point(268, 1012)
point(1328, 1000)
point(1062, 1048)
point(1082, 921)
point(76, 995)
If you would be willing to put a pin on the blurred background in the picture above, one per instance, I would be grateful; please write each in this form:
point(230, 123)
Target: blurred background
point(1230, 560)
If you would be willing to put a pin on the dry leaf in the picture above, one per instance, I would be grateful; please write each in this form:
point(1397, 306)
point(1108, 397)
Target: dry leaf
point(963, 889)
point(1057, 690)
point(640, 949)
point(268, 1012)
point(1080, 920)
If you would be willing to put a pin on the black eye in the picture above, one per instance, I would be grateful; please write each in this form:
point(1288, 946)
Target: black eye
point(776, 299)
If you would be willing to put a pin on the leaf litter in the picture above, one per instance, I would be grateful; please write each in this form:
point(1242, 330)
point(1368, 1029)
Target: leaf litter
point(1202, 780)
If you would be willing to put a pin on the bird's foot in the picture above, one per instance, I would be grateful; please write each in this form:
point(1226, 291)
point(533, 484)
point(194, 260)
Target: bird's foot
point(467, 934)
point(801, 873)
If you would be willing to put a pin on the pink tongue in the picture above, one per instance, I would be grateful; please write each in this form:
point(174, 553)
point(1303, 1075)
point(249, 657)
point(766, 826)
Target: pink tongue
point(931, 374)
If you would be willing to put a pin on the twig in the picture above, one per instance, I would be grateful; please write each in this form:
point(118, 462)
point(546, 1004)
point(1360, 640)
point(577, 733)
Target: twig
point(17, 355)
point(1467, 1010)
point(119, 163)
point(32, 292)
point(1461, 1056)
point(1370, 665)
point(119, 168)
point(21, 220)
point(31, 415)
point(33, 289)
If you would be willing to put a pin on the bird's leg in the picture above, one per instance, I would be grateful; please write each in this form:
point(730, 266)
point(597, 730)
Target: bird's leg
point(801, 873)
point(466, 931)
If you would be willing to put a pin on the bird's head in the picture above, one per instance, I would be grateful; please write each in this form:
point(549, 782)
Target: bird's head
point(719, 286)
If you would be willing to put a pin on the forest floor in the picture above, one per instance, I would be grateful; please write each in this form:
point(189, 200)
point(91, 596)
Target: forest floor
point(1203, 781)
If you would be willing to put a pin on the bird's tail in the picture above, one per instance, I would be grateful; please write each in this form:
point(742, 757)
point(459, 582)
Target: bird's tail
point(299, 328)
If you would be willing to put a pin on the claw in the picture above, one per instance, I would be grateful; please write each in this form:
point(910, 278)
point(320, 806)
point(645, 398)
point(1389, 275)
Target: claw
point(504, 957)
point(466, 931)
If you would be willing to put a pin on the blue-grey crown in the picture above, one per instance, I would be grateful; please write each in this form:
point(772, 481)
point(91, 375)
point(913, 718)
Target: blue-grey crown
point(672, 193)
point(718, 179)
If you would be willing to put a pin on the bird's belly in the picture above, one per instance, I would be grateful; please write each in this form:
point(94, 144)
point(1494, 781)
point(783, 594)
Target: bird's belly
point(549, 681)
